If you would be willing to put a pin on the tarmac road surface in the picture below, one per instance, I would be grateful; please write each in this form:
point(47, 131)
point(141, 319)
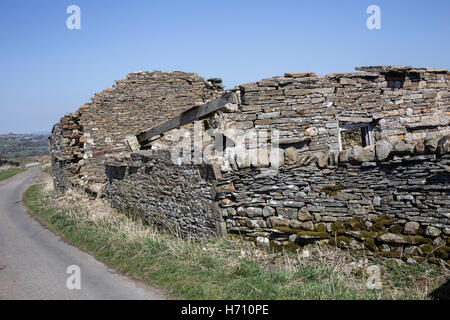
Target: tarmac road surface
point(34, 261)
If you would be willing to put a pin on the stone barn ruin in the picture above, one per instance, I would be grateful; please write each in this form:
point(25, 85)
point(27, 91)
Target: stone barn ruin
point(359, 160)
point(81, 140)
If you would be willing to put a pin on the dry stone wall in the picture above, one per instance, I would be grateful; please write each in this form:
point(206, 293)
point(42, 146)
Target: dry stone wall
point(398, 208)
point(81, 141)
point(177, 197)
point(395, 208)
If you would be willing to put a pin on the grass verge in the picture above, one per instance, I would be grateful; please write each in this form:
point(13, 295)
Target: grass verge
point(221, 268)
point(48, 169)
point(10, 172)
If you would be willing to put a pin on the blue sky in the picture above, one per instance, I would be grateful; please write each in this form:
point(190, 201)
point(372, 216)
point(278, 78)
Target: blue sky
point(49, 70)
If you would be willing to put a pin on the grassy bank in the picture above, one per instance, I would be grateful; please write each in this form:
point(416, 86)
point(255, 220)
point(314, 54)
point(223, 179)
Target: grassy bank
point(10, 172)
point(219, 268)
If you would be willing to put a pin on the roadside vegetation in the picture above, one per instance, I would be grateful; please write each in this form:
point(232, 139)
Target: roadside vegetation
point(7, 172)
point(47, 168)
point(223, 268)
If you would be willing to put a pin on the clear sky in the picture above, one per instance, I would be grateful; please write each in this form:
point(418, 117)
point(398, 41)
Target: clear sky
point(49, 70)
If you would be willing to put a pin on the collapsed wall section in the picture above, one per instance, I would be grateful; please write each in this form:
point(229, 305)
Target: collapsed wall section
point(81, 141)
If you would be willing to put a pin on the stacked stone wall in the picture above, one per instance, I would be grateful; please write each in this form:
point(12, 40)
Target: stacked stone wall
point(82, 141)
point(178, 198)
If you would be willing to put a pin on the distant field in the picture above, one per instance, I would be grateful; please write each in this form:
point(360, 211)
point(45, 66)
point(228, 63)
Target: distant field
point(23, 148)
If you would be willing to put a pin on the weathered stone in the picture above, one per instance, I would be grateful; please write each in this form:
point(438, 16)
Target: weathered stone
point(355, 245)
point(439, 242)
point(227, 188)
point(294, 224)
point(268, 211)
point(304, 215)
point(432, 232)
point(262, 242)
point(392, 238)
point(419, 148)
point(317, 216)
point(383, 150)
point(299, 74)
point(431, 144)
point(443, 145)
point(308, 226)
point(291, 155)
point(412, 228)
point(402, 149)
point(322, 160)
point(412, 250)
point(277, 222)
point(254, 212)
point(359, 154)
point(288, 213)
point(252, 223)
point(344, 155)
point(311, 131)
point(400, 239)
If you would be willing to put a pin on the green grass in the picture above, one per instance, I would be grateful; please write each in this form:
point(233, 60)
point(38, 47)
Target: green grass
point(8, 173)
point(216, 269)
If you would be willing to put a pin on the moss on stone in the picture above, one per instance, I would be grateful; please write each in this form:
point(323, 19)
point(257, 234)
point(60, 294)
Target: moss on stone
point(354, 224)
point(320, 228)
point(338, 227)
point(396, 228)
point(234, 236)
point(381, 223)
point(338, 240)
point(420, 259)
point(368, 234)
point(287, 230)
point(289, 247)
point(332, 190)
point(427, 249)
point(370, 244)
point(418, 240)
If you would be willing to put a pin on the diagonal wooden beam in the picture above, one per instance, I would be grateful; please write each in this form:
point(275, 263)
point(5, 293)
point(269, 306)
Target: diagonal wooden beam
point(186, 117)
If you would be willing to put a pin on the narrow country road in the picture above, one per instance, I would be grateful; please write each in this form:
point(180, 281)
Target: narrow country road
point(33, 260)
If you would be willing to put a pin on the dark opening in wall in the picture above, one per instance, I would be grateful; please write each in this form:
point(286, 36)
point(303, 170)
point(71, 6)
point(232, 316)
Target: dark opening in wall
point(297, 145)
point(350, 138)
point(355, 134)
point(115, 173)
point(133, 170)
point(395, 80)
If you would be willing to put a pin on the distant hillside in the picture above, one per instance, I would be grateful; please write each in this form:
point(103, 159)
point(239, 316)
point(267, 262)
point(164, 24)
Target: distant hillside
point(23, 147)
